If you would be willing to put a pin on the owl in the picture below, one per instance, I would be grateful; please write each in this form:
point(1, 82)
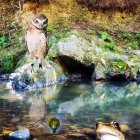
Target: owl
point(37, 39)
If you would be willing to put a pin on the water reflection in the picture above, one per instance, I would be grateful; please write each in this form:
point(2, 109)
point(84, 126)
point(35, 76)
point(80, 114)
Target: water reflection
point(104, 101)
point(75, 104)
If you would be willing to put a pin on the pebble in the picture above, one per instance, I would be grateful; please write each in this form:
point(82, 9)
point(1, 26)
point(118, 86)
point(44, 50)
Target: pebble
point(23, 134)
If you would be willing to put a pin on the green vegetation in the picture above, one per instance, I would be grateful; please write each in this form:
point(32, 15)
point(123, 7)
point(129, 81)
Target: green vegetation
point(105, 36)
point(109, 43)
point(8, 63)
point(11, 51)
point(52, 29)
point(134, 45)
point(53, 39)
point(9, 58)
point(59, 35)
point(130, 39)
point(110, 46)
point(120, 39)
point(126, 35)
point(119, 66)
point(4, 42)
point(137, 36)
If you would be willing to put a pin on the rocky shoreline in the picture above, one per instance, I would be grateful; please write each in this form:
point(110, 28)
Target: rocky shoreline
point(80, 55)
point(68, 132)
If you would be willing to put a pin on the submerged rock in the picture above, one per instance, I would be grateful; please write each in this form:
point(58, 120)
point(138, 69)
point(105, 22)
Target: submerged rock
point(4, 77)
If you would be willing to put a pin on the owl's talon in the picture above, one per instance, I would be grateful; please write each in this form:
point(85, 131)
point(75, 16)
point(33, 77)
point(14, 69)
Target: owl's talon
point(32, 67)
point(40, 65)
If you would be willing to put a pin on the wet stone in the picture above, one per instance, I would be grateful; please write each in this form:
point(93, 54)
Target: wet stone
point(22, 134)
point(15, 119)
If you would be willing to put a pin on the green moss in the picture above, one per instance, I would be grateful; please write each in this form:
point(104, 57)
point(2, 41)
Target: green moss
point(54, 38)
point(4, 42)
point(9, 59)
point(126, 35)
point(59, 35)
point(134, 45)
point(110, 46)
point(137, 36)
point(8, 63)
point(118, 66)
point(11, 51)
point(105, 36)
point(52, 29)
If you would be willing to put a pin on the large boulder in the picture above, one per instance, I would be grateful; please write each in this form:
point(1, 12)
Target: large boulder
point(71, 54)
point(26, 77)
point(86, 54)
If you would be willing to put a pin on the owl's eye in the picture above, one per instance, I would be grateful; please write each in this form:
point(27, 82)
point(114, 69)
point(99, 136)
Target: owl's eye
point(36, 21)
point(45, 22)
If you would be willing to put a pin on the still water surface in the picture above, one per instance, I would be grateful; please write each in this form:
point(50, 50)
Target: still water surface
point(76, 104)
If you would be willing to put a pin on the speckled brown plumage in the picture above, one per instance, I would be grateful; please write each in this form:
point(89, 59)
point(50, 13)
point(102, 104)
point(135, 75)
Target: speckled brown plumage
point(36, 38)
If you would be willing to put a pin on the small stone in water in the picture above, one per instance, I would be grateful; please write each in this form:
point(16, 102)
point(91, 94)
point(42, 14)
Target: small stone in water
point(15, 119)
point(6, 132)
point(23, 134)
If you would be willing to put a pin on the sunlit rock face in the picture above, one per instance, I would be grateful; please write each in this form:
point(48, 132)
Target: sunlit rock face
point(71, 52)
point(86, 54)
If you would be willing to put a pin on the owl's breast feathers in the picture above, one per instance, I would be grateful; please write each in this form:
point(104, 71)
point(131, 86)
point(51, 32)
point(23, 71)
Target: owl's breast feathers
point(37, 42)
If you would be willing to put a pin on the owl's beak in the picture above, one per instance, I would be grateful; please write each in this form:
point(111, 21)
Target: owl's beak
point(41, 26)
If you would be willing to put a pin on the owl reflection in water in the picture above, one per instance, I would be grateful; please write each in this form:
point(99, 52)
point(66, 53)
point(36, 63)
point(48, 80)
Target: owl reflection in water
point(37, 39)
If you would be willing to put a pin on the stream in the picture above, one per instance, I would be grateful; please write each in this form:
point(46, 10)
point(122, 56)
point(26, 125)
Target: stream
point(79, 105)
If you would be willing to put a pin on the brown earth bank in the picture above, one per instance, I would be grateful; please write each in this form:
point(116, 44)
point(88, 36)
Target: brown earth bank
point(69, 12)
point(112, 4)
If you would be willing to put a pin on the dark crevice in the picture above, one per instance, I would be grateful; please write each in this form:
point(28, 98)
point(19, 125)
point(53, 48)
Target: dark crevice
point(119, 77)
point(74, 67)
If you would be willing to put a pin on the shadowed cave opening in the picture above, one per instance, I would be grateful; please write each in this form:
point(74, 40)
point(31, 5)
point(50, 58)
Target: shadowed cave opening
point(74, 67)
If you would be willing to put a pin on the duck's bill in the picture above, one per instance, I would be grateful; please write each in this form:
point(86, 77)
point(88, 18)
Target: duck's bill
point(109, 137)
